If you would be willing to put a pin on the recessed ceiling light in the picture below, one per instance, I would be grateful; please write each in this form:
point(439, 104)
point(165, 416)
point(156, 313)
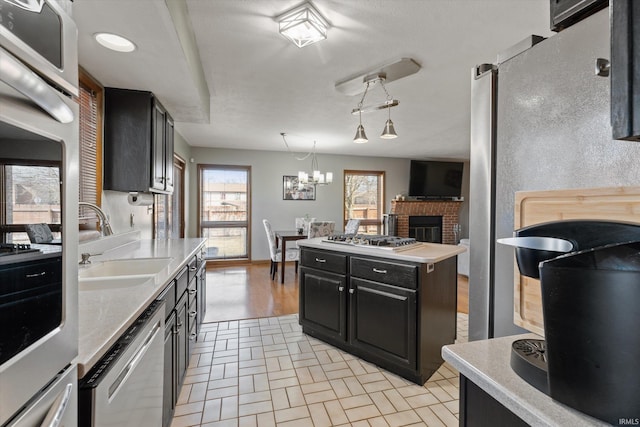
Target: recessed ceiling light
point(115, 42)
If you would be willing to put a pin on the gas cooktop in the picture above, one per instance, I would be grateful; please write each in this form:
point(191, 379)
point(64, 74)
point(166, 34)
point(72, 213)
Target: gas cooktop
point(15, 249)
point(374, 241)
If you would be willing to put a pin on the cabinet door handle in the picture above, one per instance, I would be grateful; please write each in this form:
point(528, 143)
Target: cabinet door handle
point(176, 331)
point(430, 267)
point(192, 291)
point(340, 288)
point(375, 270)
point(193, 336)
point(30, 276)
point(351, 290)
point(321, 260)
point(193, 313)
point(193, 268)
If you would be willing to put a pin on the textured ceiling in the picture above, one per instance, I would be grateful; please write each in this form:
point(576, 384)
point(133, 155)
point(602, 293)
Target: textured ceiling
point(259, 84)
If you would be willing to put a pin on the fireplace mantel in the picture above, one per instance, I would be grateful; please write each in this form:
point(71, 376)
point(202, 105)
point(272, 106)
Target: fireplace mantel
point(448, 209)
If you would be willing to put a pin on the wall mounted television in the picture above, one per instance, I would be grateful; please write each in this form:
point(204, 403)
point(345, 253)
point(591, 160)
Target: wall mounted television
point(435, 180)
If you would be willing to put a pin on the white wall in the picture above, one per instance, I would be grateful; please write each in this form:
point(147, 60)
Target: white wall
point(267, 170)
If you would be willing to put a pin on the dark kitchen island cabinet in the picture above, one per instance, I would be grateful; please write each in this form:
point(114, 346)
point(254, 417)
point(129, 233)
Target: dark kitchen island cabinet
point(394, 309)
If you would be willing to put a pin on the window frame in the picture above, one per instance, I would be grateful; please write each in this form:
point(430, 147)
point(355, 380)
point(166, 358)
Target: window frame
point(201, 167)
point(381, 202)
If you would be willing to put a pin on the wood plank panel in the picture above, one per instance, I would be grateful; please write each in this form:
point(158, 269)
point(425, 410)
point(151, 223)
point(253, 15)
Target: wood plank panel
point(535, 207)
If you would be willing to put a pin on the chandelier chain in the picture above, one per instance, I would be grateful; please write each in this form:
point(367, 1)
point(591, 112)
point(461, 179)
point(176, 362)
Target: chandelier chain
point(305, 157)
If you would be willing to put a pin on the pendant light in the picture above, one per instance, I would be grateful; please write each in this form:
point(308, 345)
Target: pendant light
point(360, 137)
point(389, 131)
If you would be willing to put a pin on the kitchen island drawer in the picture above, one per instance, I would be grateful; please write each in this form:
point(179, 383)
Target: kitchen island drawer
point(391, 273)
point(323, 260)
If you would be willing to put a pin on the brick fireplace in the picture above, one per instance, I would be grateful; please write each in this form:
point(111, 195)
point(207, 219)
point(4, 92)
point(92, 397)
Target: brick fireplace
point(448, 210)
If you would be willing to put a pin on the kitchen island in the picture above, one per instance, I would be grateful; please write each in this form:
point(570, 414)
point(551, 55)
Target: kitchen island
point(393, 307)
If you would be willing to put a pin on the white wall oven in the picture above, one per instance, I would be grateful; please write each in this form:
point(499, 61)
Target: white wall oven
point(38, 185)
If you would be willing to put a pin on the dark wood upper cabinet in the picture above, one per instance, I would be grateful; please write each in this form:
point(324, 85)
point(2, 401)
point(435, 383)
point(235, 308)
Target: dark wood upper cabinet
point(625, 69)
point(138, 142)
point(564, 13)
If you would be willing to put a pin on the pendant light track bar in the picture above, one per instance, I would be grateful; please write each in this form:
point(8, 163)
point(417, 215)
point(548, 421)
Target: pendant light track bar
point(370, 108)
point(393, 71)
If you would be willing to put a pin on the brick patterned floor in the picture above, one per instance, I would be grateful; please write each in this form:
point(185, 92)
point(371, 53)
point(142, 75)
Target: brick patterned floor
point(266, 372)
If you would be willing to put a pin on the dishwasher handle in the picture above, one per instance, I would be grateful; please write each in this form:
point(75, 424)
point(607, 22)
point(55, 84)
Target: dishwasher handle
point(59, 407)
point(133, 362)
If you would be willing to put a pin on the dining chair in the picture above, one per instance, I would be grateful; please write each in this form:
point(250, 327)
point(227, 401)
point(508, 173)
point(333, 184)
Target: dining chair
point(292, 254)
point(39, 233)
point(321, 228)
point(303, 223)
point(352, 226)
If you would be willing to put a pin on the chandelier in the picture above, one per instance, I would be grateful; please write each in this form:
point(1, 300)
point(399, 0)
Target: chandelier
point(389, 131)
point(315, 177)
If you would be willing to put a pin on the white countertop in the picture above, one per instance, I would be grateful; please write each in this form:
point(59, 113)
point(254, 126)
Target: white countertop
point(487, 364)
point(422, 252)
point(105, 314)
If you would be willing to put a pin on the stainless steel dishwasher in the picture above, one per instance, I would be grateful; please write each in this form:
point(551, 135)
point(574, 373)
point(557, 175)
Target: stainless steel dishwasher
point(125, 387)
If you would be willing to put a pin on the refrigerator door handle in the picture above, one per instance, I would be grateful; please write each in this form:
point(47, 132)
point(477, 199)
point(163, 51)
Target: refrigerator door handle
point(55, 414)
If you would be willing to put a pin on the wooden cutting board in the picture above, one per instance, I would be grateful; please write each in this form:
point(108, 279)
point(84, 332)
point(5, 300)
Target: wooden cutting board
point(535, 207)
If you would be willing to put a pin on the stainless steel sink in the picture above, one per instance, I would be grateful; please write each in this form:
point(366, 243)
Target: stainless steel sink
point(113, 282)
point(125, 267)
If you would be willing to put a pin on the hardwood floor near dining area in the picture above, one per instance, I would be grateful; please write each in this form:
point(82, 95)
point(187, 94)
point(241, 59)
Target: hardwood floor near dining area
point(247, 292)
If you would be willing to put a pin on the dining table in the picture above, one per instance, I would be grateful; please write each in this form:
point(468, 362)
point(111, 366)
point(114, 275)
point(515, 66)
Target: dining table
point(282, 237)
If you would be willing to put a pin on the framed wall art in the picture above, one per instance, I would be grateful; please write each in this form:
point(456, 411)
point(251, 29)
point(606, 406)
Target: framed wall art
point(292, 191)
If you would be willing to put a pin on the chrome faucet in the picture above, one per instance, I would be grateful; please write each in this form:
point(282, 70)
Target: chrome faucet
point(85, 258)
point(105, 227)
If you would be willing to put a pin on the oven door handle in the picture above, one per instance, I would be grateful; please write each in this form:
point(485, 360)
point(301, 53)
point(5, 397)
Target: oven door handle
point(54, 416)
point(28, 83)
point(29, 5)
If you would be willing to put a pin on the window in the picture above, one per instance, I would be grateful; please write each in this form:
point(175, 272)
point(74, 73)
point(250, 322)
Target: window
point(364, 199)
point(90, 173)
point(30, 195)
point(223, 210)
point(168, 209)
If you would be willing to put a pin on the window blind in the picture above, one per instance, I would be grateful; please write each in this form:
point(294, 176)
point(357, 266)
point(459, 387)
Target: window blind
point(90, 156)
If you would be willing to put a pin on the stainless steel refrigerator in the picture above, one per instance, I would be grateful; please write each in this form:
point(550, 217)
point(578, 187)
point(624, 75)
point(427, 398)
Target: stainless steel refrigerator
point(540, 120)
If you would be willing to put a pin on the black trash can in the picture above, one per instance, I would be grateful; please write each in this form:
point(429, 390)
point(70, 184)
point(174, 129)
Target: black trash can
point(591, 308)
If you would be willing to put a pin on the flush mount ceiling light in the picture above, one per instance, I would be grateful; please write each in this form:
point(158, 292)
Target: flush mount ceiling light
point(389, 131)
point(303, 25)
point(316, 177)
point(115, 42)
